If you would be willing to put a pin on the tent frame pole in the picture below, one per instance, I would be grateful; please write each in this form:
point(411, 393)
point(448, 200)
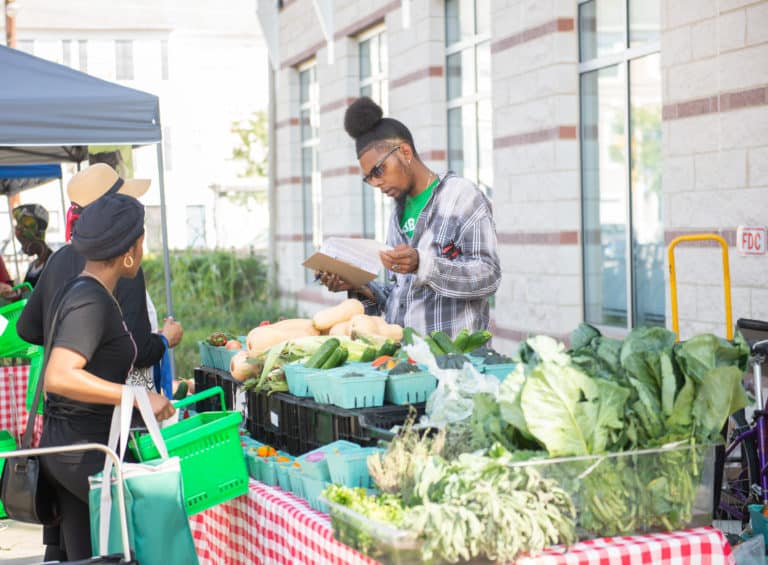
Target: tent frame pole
point(63, 205)
point(13, 240)
point(164, 234)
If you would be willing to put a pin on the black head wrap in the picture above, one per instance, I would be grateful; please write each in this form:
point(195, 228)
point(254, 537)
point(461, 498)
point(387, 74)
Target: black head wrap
point(108, 227)
point(364, 123)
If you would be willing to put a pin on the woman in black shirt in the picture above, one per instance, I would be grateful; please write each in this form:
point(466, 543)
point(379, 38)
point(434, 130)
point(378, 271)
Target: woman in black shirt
point(91, 352)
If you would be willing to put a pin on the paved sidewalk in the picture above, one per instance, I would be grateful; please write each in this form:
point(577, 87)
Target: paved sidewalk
point(20, 543)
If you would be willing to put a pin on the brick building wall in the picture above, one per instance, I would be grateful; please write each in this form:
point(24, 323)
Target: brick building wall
point(714, 145)
point(714, 57)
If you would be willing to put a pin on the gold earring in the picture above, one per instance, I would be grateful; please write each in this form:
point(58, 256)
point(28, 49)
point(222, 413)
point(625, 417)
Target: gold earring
point(128, 261)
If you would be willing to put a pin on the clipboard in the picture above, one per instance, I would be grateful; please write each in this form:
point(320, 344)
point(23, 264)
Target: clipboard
point(354, 260)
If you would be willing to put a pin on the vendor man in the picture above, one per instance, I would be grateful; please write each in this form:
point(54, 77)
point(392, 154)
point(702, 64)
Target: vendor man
point(442, 265)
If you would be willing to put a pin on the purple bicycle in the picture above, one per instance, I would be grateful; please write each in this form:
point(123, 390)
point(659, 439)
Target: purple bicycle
point(743, 463)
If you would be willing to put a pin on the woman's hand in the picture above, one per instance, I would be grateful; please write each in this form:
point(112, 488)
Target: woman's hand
point(172, 331)
point(402, 259)
point(161, 406)
point(6, 290)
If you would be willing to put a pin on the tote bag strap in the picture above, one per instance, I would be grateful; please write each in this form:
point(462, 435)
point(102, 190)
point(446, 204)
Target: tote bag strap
point(119, 430)
point(26, 439)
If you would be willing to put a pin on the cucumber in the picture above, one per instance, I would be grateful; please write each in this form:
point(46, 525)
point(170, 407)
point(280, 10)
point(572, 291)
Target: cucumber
point(445, 343)
point(433, 347)
point(477, 339)
point(344, 355)
point(368, 355)
point(408, 333)
point(181, 390)
point(335, 359)
point(322, 354)
point(461, 339)
point(389, 347)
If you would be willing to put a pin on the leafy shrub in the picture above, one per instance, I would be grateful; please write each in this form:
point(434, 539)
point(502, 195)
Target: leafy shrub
point(211, 291)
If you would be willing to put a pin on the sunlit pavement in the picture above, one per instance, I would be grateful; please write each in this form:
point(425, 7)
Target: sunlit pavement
point(20, 543)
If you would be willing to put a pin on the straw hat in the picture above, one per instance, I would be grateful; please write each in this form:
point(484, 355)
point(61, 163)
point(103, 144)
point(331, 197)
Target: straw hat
point(98, 179)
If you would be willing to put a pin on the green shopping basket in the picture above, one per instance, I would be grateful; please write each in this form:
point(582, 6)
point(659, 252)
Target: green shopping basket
point(10, 342)
point(213, 467)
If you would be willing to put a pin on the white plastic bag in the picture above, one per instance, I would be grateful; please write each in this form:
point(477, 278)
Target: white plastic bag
point(452, 399)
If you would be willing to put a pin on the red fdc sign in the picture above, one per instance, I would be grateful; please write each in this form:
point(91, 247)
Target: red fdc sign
point(751, 240)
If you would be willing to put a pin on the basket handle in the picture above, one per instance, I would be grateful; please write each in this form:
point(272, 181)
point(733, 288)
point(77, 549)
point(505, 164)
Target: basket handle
point(24, 286)
point(200, 396)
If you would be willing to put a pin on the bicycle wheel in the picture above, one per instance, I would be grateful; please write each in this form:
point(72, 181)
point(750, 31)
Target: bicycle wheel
point(738, 476)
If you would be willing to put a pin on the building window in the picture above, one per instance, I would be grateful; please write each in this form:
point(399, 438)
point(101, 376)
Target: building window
point(372, 47)
point(164, 59)
point(468, 90)
point(620, 98)
point(196, 227)
point(311, 197)
point(82, 55)
point(124, 59)
point(66, 52)
point(26, 45)
point(153, 234)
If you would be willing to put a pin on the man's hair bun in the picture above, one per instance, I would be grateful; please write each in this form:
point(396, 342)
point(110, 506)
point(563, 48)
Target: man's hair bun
point(362, 116)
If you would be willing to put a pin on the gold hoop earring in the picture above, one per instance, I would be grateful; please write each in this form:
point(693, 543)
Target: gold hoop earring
point(128, 261)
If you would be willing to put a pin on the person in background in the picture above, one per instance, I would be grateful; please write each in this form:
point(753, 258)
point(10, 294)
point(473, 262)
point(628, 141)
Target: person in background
point(91, 353)
point(442, 266)
point(86, 187)
point(31, 223)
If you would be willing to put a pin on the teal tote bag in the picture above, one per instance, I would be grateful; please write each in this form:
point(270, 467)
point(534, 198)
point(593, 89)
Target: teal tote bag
point(158, 527)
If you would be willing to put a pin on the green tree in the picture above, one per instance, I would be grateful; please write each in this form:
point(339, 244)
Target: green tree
point(252, 149)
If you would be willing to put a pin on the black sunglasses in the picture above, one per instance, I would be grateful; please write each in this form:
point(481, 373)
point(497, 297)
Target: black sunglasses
point(376, 171)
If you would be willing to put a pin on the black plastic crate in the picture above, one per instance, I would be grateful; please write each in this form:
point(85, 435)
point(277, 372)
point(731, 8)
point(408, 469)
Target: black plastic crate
point(208, 377)
point(321, 424)
point(272, 415)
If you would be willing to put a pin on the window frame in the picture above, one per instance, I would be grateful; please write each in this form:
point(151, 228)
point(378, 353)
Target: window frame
point(622, 60)
point(313, 240)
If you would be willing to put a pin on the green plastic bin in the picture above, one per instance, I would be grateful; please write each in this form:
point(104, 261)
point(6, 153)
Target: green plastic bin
point(213, 467)
point(7, 443)
point(10, 342)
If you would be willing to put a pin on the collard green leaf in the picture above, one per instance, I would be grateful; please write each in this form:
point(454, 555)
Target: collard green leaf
point(681, 417)
point(668, 384)
point(509, 401)
point(571, 413)
point(718, 396)
point(706, 351)
point(648, 409)
point(583, 336)
point(640, 355)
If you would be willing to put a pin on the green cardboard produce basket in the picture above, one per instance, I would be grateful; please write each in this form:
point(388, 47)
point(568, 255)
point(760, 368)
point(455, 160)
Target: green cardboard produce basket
point(213, 467)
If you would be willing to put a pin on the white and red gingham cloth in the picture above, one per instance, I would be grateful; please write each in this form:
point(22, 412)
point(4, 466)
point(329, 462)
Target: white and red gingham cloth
point(269, 525)
point(13, 403)
point(699, 546)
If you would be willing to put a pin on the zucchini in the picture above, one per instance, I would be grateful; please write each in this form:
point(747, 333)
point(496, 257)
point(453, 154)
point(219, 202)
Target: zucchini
point(477, 339)
point(389, 347)
point(335, 359)
point(433, 347)
point(368, 355)
point(181, 390)
point(445, 343)
point(322, 354)
point(461, 339)
point(408, 333)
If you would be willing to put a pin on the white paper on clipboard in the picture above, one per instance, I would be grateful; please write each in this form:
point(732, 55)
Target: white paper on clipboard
point(354, 260)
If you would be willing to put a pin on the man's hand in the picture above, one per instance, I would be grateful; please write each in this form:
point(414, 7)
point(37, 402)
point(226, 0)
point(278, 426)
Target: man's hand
point(172, 331)
point(334, 283)
point(402, 259)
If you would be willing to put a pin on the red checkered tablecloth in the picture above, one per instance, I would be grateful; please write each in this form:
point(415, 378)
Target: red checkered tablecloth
point(269, 525)
point(13, 407)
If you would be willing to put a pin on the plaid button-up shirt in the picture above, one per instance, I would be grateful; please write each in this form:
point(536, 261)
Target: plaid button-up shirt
point(458, 270)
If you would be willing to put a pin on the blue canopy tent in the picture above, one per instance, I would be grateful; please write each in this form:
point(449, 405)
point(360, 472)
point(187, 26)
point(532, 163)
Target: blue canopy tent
point(50, 113)
point(16, 178)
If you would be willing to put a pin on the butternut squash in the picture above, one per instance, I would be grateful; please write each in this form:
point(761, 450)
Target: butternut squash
point(329, 317)
point(262, 338)
point(342, 328)
point(375, 326)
